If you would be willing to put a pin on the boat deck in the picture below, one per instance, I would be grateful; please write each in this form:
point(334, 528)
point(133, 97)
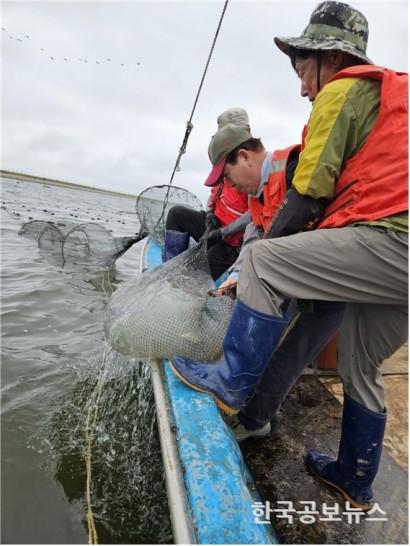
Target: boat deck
point(311, 417)
point(212, 494)
point(210, 491)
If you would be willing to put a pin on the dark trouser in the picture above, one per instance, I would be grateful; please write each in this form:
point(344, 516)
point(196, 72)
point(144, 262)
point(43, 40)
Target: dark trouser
point(310, 333)
point(186, 220)
point(221, 255)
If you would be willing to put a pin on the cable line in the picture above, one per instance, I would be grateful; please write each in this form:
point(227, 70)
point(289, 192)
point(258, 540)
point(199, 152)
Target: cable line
point(189, 125)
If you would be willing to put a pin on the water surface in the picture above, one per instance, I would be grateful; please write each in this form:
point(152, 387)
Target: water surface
point(54, 371)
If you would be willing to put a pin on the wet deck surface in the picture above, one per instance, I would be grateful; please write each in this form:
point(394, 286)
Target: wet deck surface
point(311, 417)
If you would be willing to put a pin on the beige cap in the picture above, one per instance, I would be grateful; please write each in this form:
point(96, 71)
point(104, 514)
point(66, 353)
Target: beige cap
point(236, 115)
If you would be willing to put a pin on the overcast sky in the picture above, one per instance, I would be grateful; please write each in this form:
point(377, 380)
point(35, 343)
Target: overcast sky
point(120, 127)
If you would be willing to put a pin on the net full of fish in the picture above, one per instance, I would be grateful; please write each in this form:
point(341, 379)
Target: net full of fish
point(168, 311)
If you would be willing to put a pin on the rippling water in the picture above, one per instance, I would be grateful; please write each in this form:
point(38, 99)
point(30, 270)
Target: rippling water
point(54, 372)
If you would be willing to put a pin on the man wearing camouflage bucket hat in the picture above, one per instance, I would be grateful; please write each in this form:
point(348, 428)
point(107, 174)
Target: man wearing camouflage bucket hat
point(333, 26)
point(350, 185)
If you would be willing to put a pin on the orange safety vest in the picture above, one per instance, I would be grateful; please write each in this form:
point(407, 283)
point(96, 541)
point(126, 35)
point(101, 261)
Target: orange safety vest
point(374, 183)
point(228, 204)
point(262, 211)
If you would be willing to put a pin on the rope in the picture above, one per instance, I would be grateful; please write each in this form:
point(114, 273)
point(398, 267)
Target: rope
point(189, 125)
point(89, 435)
point(90, 424)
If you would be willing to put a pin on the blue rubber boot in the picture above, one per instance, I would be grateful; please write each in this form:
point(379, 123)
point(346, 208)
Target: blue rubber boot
point(175, 243)
point(358, 461)
point(304, 341)
point(250, 340)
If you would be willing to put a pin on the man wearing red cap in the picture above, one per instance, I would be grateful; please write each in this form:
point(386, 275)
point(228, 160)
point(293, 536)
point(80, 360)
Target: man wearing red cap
point(225, 219)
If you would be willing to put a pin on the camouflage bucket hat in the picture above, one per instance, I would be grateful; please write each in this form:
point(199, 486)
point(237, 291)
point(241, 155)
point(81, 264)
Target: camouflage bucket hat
point(332, 26)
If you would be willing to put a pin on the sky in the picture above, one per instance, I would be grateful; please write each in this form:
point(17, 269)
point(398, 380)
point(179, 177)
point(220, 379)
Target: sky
point(99, 92)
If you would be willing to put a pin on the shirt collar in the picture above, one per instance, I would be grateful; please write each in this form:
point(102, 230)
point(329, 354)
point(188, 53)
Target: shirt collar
point(265, 172)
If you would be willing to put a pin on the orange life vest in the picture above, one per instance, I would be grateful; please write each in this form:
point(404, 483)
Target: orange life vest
point(374, 182)
point(228, 204)
point(263, 210)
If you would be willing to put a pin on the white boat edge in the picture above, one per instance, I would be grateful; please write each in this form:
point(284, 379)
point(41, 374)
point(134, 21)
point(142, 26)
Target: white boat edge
point(182, 529)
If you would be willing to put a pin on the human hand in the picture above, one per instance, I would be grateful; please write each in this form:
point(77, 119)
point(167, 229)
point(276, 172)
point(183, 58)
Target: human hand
point(227, 288)
point(211, 221)
point(215, 236)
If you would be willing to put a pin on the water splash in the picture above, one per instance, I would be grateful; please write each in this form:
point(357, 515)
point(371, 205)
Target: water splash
point(107, 457)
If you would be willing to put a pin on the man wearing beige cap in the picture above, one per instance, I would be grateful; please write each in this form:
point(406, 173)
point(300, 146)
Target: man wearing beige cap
point(351, 186)
point(224, 221)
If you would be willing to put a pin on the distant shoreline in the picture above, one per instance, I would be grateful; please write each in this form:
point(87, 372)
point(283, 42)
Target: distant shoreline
point(53, 182)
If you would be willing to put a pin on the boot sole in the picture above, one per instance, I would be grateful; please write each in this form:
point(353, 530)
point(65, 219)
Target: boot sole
point(257, 436)
point(355, 504)
point(227, 409)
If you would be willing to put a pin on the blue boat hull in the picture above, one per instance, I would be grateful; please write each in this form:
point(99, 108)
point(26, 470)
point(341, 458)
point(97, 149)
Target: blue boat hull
point(218, 488)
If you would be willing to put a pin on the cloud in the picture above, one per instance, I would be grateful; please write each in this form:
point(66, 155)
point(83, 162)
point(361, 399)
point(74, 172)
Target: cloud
point(120, 127)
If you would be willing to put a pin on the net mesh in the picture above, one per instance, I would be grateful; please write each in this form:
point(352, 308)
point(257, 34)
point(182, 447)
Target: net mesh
point(91, 245)
point(50, 242)
point(164, 312)
point(87, 244)
point(168, 311)
point(154, 203)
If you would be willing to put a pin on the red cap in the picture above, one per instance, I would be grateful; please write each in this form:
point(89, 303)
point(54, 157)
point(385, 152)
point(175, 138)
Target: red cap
point(216, 173)
point(223, 142)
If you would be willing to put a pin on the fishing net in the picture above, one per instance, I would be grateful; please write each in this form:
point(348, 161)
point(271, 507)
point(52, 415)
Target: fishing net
point(162, 313)
point(91, 245)
point(168, 311)
point(34, 228)
point(154, 203)
point(87, 244)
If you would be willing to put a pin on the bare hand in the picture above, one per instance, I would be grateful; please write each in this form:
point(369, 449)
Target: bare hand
point(227, 288)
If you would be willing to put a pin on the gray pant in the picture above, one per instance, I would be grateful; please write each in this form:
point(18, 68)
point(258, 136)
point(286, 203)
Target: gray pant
point(366, 267)
point(303, 342)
